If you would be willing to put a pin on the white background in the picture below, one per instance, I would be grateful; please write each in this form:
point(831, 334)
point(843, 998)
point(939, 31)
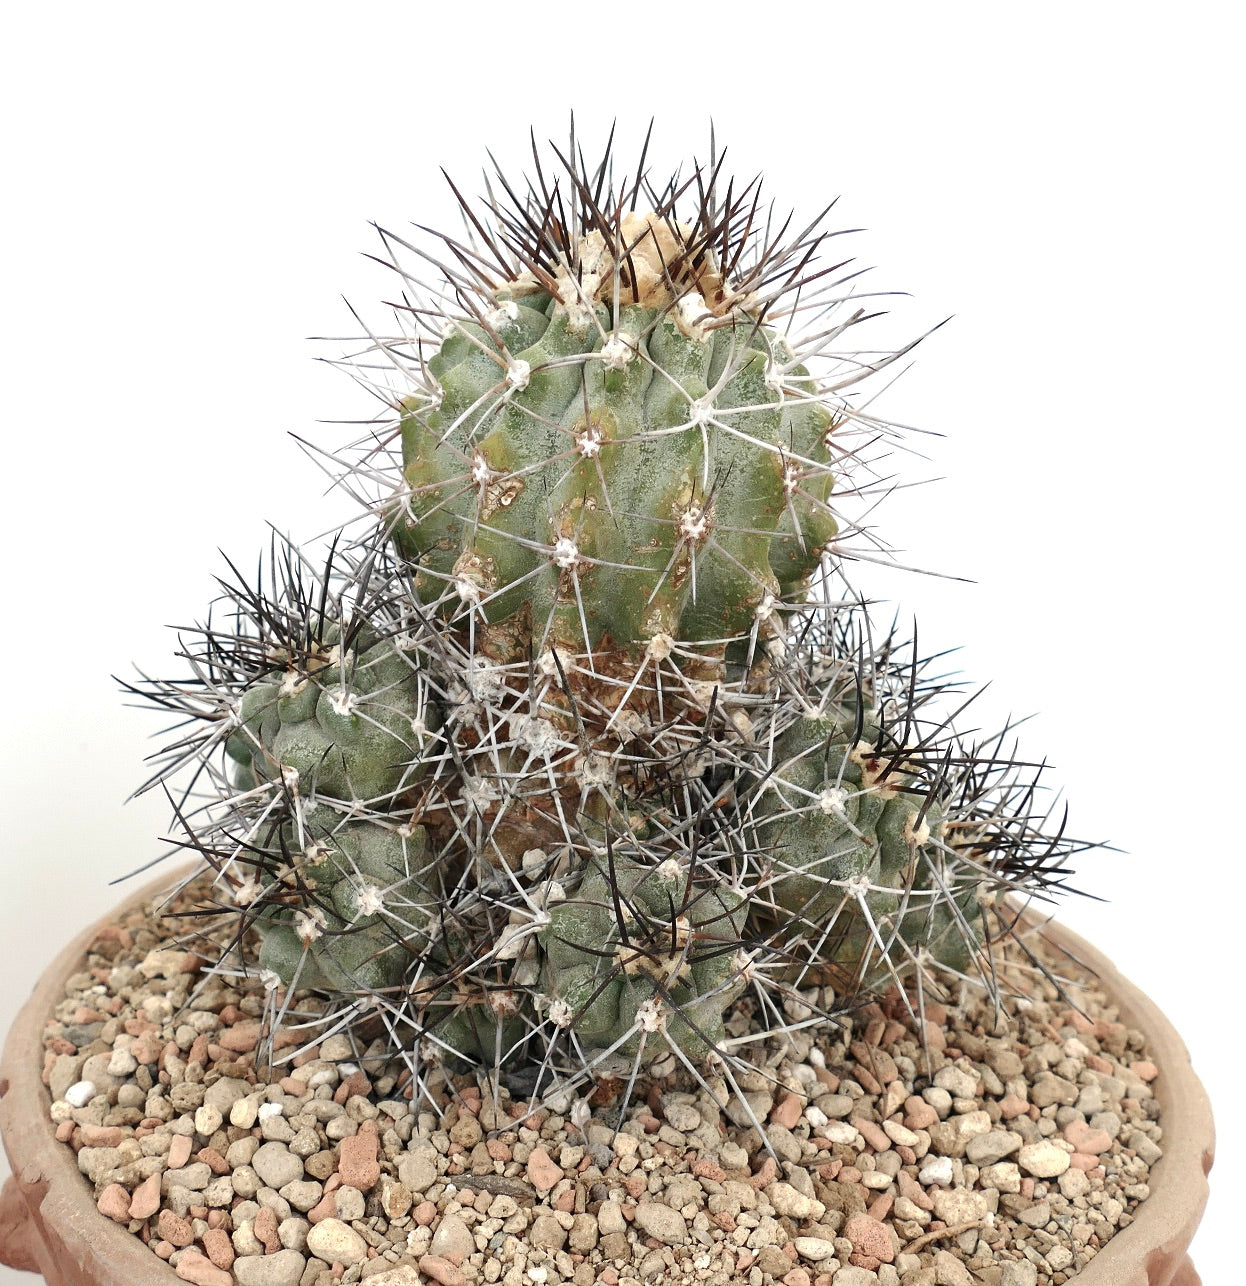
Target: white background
point(188, 193)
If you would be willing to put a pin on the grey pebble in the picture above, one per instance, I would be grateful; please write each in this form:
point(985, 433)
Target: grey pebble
point(302, 1194)
point(660, 1221)
point(276, 1165)
point(995, 1145)
point(224, 1093)
point(285, 1268)
point(195, 1176)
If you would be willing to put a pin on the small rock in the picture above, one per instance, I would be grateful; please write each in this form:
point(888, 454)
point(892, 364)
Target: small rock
point(418, 1171)
point(667, 1225)
point(276, 1165)
point(332, 1240)
point(80, 1093)
point(959, 1205)
point(682, 1116)
point(543, 1172)
point(403, 1275)
point(995, 1145)
point(194, 1267)
point(146, 1199)
point(453, 1240)
point(442, 1270)
point(220, 1249)
point(544, 1232)
point(852, 1276)
point(1044, 1159)
point(224, 1093)
point(1049, 1088)
point(208, 1120)
point(396, 1198)
point(787, 1111)
point(869, 1237)
point(348, 1204)
point(179, 1151)
point(949, 1271)
point(793, 1203)
point(357, 1159)
point(815, 1249)
point(302, 1194)
point(936, 1170)
point(285, 1268)
point(174, 1229)
point(114, 1202)
point(1085, 1139)
point(167, 963)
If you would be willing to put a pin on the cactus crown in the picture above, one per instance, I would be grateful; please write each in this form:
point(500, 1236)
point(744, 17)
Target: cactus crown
point(583, 756)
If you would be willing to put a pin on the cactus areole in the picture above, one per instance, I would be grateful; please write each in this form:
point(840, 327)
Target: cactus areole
point(578, 751)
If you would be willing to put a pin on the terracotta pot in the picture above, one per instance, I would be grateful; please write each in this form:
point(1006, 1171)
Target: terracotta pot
point(49, 1222)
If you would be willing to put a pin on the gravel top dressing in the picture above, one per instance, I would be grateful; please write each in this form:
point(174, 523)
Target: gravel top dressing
point(1004, 1148)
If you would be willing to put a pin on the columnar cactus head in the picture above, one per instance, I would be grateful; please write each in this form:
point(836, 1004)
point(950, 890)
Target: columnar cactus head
point(576, 757)
point(599, 473)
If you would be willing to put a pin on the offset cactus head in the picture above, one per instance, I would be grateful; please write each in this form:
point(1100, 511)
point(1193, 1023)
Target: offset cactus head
point(645, 955)
point(577, 757)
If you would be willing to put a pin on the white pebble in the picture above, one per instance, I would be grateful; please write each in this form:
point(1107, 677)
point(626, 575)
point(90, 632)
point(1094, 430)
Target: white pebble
point(936, 1170)
point(80, 1093)
point(122, 1063)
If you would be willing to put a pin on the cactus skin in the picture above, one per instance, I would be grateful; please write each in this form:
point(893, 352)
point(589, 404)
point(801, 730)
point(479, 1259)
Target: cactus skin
point(594, 484)
point(627, 964)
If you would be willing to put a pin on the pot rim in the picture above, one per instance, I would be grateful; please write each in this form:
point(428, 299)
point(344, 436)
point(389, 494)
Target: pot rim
point(1150, 1252)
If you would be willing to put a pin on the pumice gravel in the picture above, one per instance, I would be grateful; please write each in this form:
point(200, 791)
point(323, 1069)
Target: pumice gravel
point(975, 1147)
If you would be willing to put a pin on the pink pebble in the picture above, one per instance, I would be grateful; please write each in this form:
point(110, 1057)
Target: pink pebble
point(543, 1172)
point(179, 1151)
point(870, 1238)
point(219, 1247)
point(114, 1202)
point(146, 1199)
point(357, 1159)
point(1086, 1139)
point(194, 1267)
point(787, 1111)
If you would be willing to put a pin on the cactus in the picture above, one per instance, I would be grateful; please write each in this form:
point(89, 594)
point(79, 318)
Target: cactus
point(576, 760)
point(616, 456)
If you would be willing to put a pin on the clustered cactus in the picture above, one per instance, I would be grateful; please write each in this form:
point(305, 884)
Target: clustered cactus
point(581, 744)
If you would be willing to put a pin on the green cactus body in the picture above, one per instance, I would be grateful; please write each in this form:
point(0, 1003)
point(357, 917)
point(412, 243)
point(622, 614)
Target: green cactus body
point(592, 482)
point(622, 962)
point(858, 850)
